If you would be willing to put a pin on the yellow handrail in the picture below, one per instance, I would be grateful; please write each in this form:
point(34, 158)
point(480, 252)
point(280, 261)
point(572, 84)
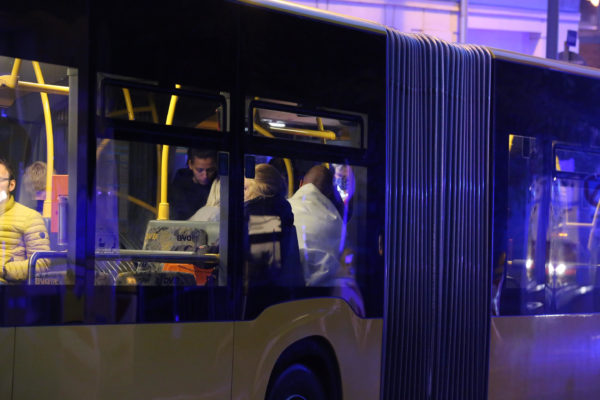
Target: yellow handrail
point(133, 199)
point(163, 207)
point(42, 88)
point(118, 113)
point(47, 210)
point(329, 135)
point(16, 67)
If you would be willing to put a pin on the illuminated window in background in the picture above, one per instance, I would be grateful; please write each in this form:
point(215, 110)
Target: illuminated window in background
point(553, 229)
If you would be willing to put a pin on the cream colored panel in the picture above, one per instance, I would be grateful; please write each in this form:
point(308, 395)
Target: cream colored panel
point(153, 361)
point(545, 357)
point(7, 345)
point(356, 341)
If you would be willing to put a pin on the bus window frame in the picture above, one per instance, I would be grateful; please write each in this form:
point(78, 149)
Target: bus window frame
point(311, 112)
point(318, 152)
point(106, 82)
point(152, 133)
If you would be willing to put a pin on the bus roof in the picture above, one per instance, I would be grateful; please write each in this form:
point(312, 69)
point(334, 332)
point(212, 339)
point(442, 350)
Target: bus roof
point(315, 13)
point(556, 65)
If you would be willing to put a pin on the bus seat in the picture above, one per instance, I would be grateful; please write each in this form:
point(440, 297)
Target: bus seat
point(172, 236)
point(274, 256)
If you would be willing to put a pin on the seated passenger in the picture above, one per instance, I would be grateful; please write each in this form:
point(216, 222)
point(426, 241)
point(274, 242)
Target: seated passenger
point(190, 187)
point(273, 249)
point(34, 182)
point(22, 231)
point(318, 226)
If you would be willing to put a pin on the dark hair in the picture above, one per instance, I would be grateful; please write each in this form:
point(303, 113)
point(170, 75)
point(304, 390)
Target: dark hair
point(9, 168)
point(198, 153)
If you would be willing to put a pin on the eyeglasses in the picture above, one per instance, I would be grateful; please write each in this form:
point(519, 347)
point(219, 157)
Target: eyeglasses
point(5, 179)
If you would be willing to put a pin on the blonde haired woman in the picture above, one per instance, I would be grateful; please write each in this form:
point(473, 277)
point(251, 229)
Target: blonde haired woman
point(267, 183)
point(272, 252)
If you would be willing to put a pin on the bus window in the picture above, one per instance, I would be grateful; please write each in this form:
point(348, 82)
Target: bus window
point(138, 240)
point(285, 120)
point(313, 243)
point(552, 230)
point(126, 100)
point(34, 118)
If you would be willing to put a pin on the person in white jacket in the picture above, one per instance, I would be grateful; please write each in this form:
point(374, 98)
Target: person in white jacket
point(318, 226)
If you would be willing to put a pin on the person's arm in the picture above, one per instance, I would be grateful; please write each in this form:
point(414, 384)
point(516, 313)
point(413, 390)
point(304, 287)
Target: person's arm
point(35, 238)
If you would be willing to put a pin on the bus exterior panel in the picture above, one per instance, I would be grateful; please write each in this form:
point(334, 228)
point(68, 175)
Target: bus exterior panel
point(544, 357)
point(355, 342)
point(112, 361)
point(7, 347)
point(543, 337)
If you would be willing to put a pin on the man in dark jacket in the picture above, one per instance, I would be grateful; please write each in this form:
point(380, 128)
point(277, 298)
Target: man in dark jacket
point(190, 187)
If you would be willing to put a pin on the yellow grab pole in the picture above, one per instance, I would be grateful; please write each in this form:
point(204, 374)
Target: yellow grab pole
point(152, 107)
point(16, 67)
point(128, 104)
point(158, 151)
point(47, 210)
point(321, 127)
point(290, 173)
point(163, 207)
point(158, 174)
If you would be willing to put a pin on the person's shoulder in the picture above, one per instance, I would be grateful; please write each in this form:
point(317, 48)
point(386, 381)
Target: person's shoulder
point(308, 196)
point(22, 208)
point(182, 175)
point(26, 211)
point(28, 216)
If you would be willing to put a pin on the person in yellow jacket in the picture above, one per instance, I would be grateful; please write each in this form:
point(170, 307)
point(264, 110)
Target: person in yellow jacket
point(22, 231)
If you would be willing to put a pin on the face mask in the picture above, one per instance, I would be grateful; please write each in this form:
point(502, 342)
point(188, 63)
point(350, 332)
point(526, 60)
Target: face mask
point(3, 195)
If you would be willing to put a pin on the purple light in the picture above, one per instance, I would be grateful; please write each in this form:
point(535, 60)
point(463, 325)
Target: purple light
point(349, 257)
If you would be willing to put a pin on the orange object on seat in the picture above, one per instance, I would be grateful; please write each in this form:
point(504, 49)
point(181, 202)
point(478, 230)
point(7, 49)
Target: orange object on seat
point(201, 274)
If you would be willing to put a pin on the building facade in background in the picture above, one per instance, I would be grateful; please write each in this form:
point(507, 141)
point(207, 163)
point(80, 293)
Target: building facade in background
point(516, 25)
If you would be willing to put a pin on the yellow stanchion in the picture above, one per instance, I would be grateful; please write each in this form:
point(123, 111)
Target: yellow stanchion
point(128, 104)
point(163, 207)
point(47, 210)
point(16, 67)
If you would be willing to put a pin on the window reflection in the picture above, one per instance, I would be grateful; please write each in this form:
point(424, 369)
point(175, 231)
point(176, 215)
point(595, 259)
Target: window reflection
point(552, 229)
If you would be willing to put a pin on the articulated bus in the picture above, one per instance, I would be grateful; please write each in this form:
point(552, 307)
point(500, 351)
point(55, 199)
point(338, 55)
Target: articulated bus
point(458, 258)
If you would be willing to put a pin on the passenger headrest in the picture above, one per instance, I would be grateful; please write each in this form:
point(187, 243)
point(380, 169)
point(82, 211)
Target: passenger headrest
point(175, 236)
